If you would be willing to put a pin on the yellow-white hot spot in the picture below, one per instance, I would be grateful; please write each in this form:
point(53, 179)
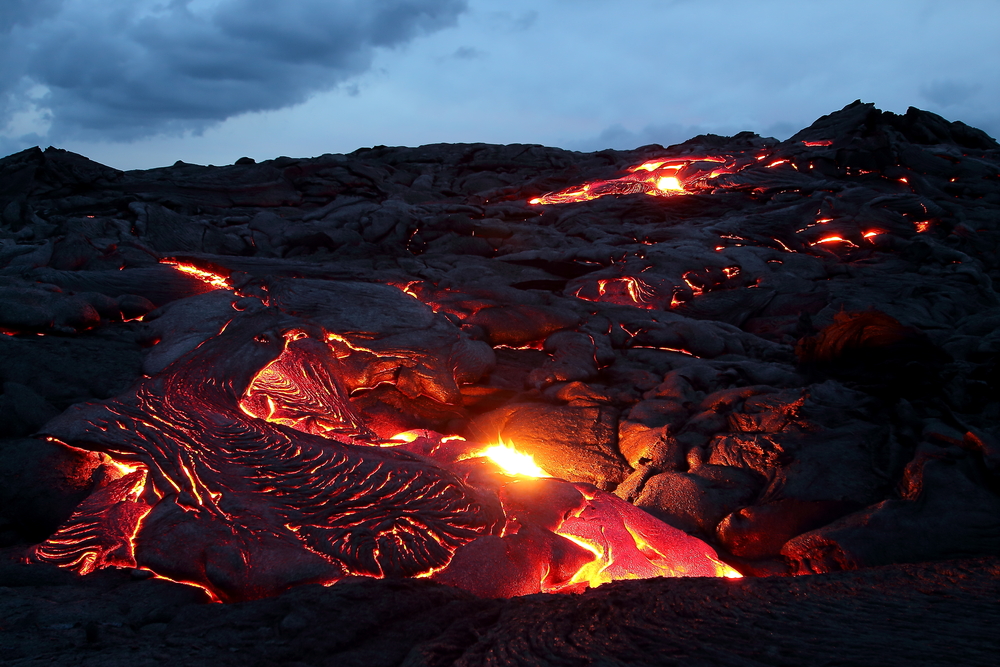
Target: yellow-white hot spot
point(511, 461)
point(669, 183)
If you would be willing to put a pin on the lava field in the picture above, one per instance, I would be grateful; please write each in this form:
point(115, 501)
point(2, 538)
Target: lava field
point(758, 381)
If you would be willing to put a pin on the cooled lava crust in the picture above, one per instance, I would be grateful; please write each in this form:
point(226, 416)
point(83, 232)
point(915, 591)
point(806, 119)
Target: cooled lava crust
point(785, 349)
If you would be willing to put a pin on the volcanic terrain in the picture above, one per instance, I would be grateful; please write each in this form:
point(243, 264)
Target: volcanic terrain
point(264, 378)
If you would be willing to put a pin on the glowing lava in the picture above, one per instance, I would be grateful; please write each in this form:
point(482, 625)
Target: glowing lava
point(247, 452)
point(511, 461)
point(668, 183)
point(304, 396)
point(659, 178)
point(627, 543)
point(210, 278)
point(834, 239)
point(626, 291)
point(621, 541)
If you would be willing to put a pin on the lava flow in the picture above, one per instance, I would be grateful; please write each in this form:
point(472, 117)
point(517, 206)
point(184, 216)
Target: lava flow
point(247, 452)
point(211, 279)
point(558, 536)
point(659, 178)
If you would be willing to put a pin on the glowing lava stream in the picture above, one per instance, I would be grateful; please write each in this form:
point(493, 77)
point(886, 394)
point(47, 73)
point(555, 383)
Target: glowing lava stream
point(659, 178)
point(625, 542)
point(213, 280)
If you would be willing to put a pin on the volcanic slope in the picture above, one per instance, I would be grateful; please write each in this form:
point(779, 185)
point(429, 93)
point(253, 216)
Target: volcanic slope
point(792, 357)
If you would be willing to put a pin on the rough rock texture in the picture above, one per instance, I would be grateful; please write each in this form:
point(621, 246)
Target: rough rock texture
point(797, 361)
point(931, 614)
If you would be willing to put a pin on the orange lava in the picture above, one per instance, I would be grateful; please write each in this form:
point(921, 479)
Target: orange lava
point(834, 239)
point(213, 280)
point(659, 178)
point(623, 541)
point(113, 516)
point(627, 543)
point(625, 291)
point(200, 455)
point(511, 461)
point(291, 392)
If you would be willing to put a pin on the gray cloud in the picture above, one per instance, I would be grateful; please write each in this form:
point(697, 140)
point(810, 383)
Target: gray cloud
point(25, 12)
point(467, 53)
point(511, 22)
point(124, 69)
point(525, 20)
point(948, 92)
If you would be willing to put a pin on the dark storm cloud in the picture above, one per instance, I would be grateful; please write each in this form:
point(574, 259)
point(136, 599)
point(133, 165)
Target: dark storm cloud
point(25, 12)
point(125, 69)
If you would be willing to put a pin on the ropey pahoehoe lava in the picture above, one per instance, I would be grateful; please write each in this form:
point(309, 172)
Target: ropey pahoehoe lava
point(245, 471)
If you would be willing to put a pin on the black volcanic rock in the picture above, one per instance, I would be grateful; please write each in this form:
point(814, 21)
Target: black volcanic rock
point(791, 360)
point(930, 614)
point(41, 483)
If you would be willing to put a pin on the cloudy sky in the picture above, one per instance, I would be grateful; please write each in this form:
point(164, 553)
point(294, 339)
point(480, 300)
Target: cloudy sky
point(142, 83)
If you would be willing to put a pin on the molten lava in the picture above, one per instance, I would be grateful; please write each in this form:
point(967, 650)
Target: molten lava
point(302, 396)
point(627, 543)
point(247, 452)
point(511, 461)
point(659, 178)
point(210, 278)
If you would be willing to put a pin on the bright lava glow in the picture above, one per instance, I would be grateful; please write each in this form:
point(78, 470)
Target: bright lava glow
point(669, 183)
point(834, 239)
point(627, 543)
point(511, 461)
point(659, 178)
point(213, 280)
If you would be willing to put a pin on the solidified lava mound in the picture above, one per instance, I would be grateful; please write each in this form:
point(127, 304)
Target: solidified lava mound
point(788, 350)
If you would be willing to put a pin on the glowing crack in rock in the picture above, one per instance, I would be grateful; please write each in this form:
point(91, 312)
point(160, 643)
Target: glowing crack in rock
point(626, 290)
point(245, 471)
point(210, 278)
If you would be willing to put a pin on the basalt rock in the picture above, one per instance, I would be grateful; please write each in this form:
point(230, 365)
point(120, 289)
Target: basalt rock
point(793, 353)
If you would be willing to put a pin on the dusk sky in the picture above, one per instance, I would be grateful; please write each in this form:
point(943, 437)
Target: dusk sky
point(143, 83)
